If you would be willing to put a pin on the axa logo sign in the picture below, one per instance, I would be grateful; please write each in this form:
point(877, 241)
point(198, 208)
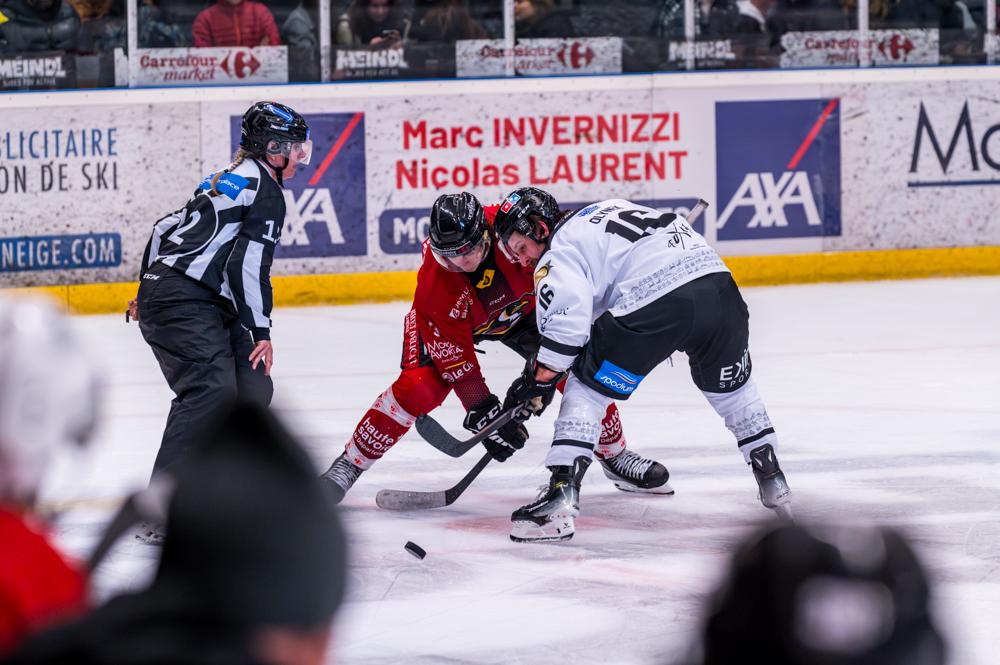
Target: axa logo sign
point(575, 55)
point(953, 150)
point(240, 64)
point(778, 169)
point(325, 203)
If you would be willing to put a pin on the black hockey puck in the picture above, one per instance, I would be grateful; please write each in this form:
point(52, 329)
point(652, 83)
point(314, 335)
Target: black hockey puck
point(415, 550)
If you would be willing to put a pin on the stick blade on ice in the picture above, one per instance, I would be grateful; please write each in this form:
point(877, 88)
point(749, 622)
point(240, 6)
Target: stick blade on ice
point(406, 500)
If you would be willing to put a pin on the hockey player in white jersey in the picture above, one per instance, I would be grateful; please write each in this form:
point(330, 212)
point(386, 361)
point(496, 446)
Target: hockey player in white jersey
point(620, 287)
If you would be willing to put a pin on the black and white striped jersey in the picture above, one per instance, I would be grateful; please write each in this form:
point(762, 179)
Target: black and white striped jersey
point(226, 241)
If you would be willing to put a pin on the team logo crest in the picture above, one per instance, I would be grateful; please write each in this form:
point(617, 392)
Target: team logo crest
point(542, 272)
point(487, 279)
point(504, 319)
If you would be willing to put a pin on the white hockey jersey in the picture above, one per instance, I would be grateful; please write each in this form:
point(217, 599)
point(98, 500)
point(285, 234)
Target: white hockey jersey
point(612, 256)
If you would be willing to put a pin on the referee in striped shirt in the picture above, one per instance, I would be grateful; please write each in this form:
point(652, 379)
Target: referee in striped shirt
point(204, 300)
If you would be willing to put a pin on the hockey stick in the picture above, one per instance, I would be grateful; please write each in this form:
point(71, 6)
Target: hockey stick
point(438, 436)
point(148, 504)
point(410, 500)
point(696, 210)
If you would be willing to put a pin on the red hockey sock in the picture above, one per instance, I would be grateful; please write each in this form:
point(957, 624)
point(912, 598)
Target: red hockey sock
point(612, 437)
point(382, 426)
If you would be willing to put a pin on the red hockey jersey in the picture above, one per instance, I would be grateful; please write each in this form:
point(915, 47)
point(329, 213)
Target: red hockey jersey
point(453, 310)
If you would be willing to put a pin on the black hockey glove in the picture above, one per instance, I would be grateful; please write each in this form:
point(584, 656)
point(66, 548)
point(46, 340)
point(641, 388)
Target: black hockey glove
point(502, 443)
point(534, 394)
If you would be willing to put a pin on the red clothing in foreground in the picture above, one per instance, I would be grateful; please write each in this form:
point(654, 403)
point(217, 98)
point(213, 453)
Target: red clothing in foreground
point(245, 24)
point(37, 586)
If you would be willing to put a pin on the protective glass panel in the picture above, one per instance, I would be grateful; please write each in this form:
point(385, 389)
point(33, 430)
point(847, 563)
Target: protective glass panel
point(58, 44)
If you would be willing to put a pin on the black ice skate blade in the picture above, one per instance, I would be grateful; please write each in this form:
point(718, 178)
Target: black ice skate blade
point(653, 491)
point(550, 539)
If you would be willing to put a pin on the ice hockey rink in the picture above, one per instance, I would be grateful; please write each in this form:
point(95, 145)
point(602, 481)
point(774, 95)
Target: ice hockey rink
point(886, 402)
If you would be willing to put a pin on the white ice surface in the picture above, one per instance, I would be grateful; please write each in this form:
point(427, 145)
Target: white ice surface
point(886, 402)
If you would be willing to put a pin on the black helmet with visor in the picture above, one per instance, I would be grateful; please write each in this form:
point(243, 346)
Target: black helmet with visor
point(458, 229)
point(528, 211)
point(270, 128)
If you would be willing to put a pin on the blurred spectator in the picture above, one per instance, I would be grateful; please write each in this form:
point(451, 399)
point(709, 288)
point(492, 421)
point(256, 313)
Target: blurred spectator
point(103, 25)
point(535, 19)
point(299, 29)
point(799, 595)
point(739, 17)
point(37, 25)
point(806, 16)
point(670, 18)
point(372, 22)
point(235, 23)
point(253, 566)
point(901, 14)
point(445, 21)
point(48, 391)
point(157, 28)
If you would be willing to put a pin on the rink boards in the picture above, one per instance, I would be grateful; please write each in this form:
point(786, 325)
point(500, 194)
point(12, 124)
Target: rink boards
point(811, 176)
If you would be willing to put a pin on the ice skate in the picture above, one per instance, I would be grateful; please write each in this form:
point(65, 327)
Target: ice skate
point(339, 478)
point(774, 490)
point(151, 534)
point(550, 517)
point(631, 472)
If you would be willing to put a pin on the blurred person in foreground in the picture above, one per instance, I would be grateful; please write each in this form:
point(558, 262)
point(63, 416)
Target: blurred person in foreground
point(830, 595)
point(235, 23)
point(253, 566)
point(48, 393)
point(37, 25)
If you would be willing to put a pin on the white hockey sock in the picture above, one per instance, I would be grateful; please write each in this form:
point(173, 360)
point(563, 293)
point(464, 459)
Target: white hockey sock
point(745, 416)
point(578, 427)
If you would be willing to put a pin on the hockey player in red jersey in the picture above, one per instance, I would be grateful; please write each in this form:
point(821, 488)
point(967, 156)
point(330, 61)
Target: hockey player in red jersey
point(469, 291)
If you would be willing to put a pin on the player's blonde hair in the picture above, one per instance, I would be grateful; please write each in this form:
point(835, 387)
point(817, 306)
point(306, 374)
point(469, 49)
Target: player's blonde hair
point(238, 157)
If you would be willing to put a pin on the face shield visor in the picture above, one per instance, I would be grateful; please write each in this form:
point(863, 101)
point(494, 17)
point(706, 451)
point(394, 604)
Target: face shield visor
point(298, 152)
point(514, 243)
point(465, 258)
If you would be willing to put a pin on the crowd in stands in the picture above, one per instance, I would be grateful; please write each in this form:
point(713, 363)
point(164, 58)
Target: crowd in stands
point(100, 26)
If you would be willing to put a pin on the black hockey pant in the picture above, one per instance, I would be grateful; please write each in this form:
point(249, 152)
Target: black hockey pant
point(706, 318)
point(203, 352)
